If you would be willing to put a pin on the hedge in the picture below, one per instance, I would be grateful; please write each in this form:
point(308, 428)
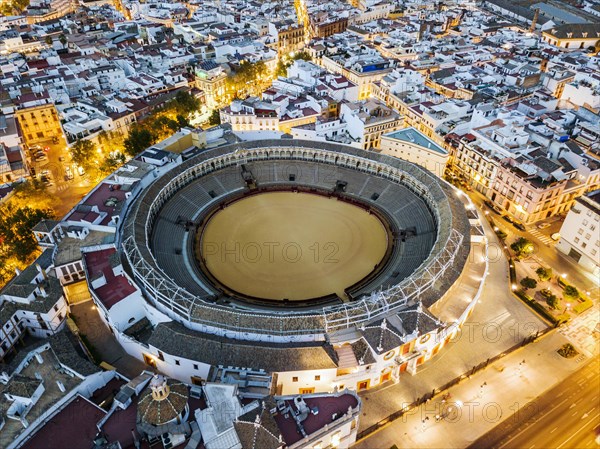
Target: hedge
point(535, 306)
point(583, 306)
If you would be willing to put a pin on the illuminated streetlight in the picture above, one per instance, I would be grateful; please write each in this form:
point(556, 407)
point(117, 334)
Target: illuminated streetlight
point(564, 275)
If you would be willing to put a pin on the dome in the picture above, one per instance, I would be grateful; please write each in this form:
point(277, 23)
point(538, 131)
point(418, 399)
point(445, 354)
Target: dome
point(164, 401)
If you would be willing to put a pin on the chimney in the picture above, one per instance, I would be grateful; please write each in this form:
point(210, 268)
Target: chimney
point(42, 271)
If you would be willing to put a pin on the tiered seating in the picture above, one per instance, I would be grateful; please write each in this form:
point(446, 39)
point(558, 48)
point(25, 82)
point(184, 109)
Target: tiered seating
point(403, 207)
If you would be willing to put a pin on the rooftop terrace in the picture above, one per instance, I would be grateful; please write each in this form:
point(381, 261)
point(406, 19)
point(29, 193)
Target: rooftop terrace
point(411, 135)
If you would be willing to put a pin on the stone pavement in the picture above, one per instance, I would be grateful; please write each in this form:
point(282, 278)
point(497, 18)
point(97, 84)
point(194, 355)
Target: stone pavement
point(584, 331)
point(478, 404)
point(499, 322)
point(98, 334)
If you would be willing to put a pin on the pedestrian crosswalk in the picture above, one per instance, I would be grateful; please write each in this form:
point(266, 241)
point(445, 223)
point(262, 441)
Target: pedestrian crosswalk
point(541, 237)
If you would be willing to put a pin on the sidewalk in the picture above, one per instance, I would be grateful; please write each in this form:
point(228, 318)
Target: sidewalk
point(475, 408)
point(497, 323)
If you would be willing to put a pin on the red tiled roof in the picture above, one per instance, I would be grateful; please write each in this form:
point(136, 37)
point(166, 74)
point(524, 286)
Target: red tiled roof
point(73, 427)
point(99, 197)
point(38, 64)
point(14, 156)
point(327, 406)
point(116, 288)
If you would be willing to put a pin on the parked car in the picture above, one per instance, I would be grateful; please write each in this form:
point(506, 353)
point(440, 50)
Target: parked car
point(507, 218)
point(555, 236)
point(80, 171)
point(41, 158)
point(520, 226)
point(543, 225)
point(491, 206)
point(68, 173)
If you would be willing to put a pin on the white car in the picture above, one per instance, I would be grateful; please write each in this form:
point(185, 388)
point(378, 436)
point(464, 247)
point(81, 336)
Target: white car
point(555, 236)
point(543, 225)
point(68, 173)
point(80, 171)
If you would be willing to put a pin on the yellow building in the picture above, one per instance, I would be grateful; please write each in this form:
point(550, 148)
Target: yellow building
point(37, 118)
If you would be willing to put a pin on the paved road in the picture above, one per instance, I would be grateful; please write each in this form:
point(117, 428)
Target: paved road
point(68, 191)
point(91, 325)
point(491, 397)
point(545, 251)
point(564, 417)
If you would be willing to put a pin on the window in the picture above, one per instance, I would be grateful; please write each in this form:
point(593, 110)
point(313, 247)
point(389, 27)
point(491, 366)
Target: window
point(587, 236)
point(55, 308)
point(583, 245)
point(580, 231)
point(294, 379)
point(576, 239)
point(195, 366)
point(317, 377)
point(177, 362)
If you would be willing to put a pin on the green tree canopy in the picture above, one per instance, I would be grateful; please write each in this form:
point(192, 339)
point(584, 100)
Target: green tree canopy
point(544, 274)
point(552, 301)
point(16, 226)
point(571, 292)
point(185, 103)
point(215, 117)
point(112, 162)
point(83, 153)
point(528, 283)
point(522, 247)
point(138, 140)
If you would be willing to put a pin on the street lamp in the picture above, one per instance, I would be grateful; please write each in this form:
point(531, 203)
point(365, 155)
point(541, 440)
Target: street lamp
point(564, 275)
point(567, 307)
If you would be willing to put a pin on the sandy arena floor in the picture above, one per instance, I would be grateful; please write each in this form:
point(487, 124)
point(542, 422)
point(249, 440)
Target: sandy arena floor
point(292, 245)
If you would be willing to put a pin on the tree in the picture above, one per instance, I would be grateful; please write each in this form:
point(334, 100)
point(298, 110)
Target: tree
point(571, 292)
point(16, 228)
point(112, 162)
point(528, 283)
point(48, 39)
point(138, 140)
point(185, 103)
point(215, 117)
point(552, 301)
point(182, 122)
point(522, 247)
point(285, 62)
point(83, 153)
point(163, 126)
point(544, 274)
point(62, 39)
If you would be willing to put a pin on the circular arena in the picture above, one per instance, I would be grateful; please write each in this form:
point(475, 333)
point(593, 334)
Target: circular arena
point(292, 240)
